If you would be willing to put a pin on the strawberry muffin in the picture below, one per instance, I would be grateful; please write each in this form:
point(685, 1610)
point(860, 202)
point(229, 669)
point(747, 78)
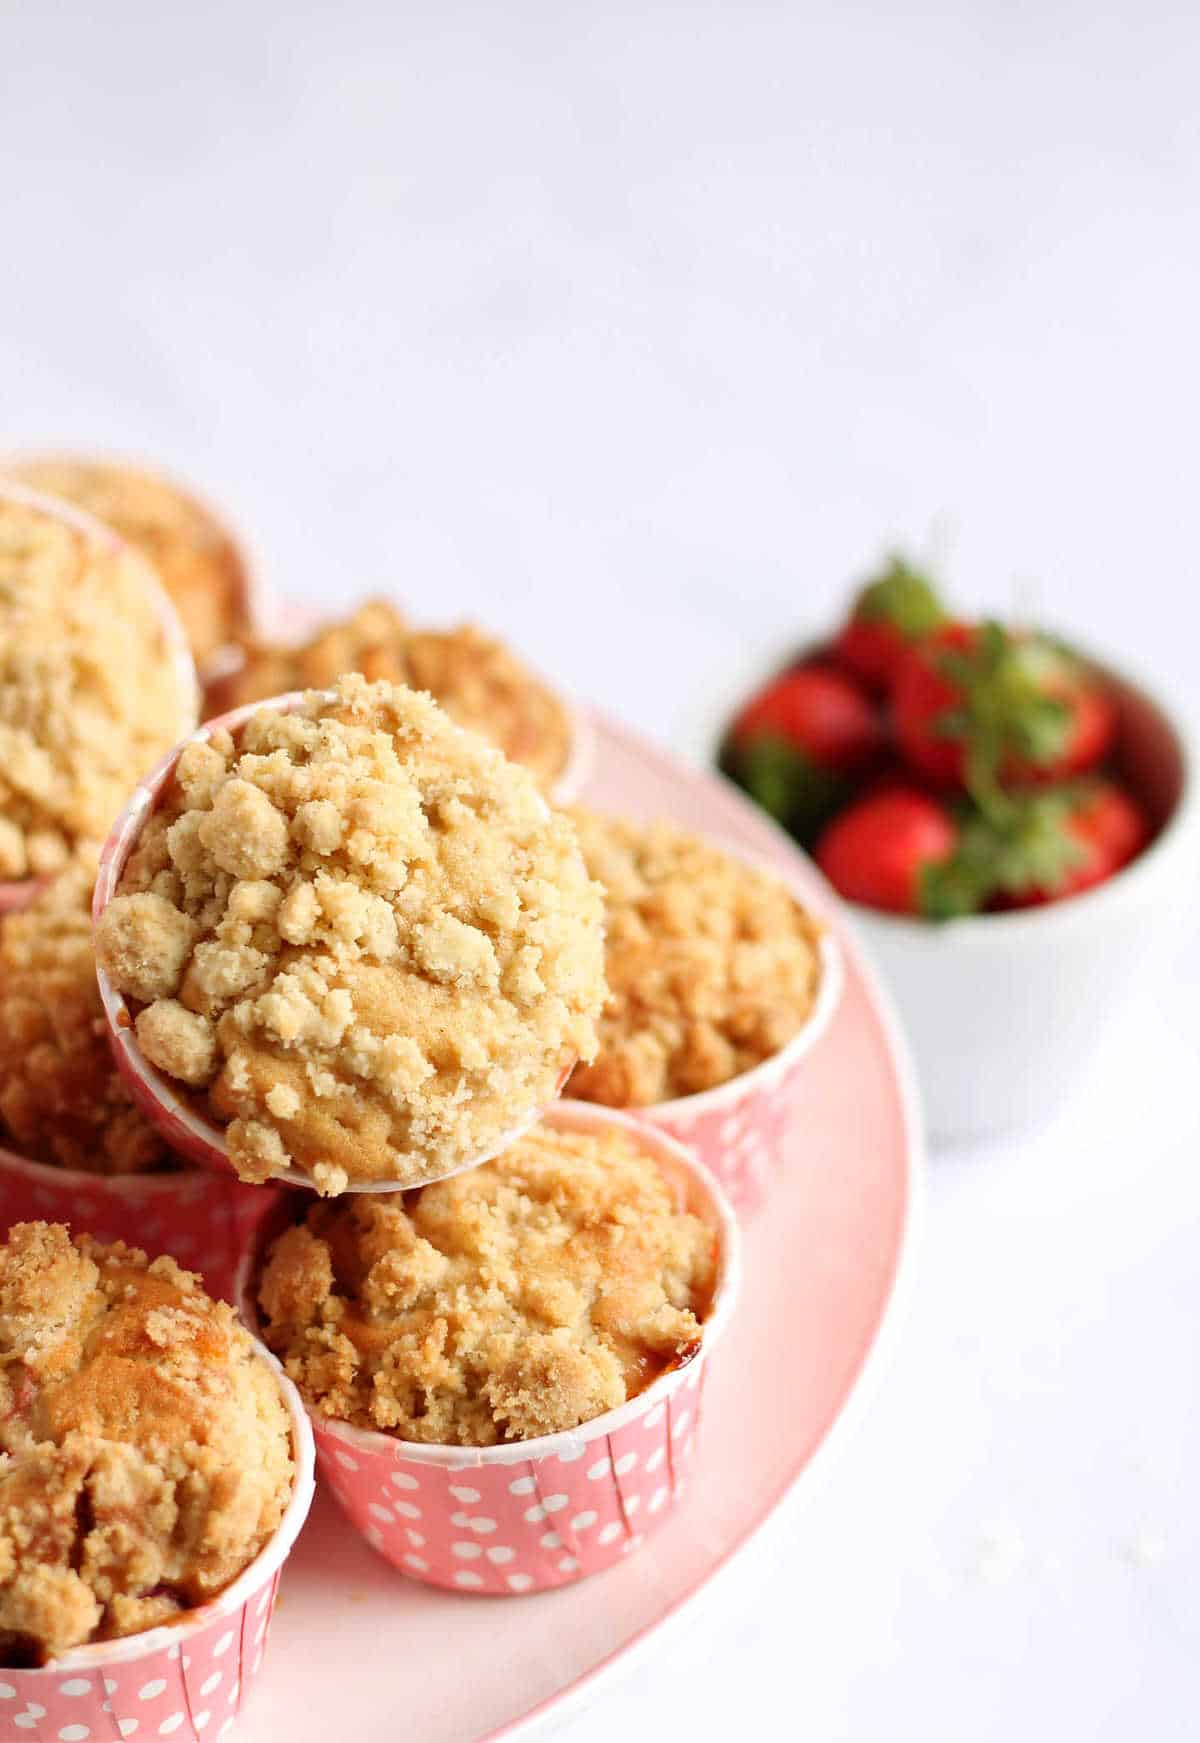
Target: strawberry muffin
point(91, 689)
point(712, 965)
point(193, 555)
point(522, 1298)
point(361, 936)
point(146, 1451)
point(477, 680)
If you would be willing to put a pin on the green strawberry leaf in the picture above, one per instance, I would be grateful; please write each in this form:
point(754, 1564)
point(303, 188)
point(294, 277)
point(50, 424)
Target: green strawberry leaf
point(1005, 710)
point(1024, 844)
point(903, 597)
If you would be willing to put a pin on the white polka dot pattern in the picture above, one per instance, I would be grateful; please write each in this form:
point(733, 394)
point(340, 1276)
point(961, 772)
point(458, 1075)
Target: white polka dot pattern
point(164, 1692)
point(742, 1138)
point(515, 1527)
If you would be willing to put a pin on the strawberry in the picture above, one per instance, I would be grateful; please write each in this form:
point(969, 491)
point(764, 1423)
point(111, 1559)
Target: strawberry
point(889, 850)
point(892, 613)
point(1098, 829)
point(798, 744)
point(982, 706)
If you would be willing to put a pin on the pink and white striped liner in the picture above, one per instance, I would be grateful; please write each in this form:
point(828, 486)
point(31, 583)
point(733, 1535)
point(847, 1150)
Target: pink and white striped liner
point(187, 1681)
point(533, 1515)
point(19, 894)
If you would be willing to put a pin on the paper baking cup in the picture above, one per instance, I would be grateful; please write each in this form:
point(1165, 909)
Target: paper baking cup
point(537, 1514)
point(187, 1681)
point(741, 1129)
point(15, 895)
point(206, 1221)
point(178, 1117)
point(580, 758)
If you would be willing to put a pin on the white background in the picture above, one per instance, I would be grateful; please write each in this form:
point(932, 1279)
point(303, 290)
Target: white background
point(638, 332)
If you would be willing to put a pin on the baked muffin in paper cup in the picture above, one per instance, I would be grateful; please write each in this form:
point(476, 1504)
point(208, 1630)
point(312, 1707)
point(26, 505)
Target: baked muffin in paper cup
point(722, 980)
point(204, 1220)
point(529, 1516)
point(203, 563)
point(181, 1118)
point(741, 1129)
point(188, 1680)
point(295, 649)
point(15, 894)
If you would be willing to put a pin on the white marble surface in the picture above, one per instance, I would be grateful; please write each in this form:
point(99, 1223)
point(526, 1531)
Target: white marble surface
point(637, 331)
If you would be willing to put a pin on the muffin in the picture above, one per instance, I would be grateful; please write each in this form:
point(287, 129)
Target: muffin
point(92, 692)
point(479, 683)
point(62, 1100)
point(146, 1449)
point(194, 557)
point(522, 1298)
point(361, 935)
point(712, 965)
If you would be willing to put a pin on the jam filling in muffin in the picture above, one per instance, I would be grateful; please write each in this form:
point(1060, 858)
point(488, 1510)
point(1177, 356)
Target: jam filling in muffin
point(526, 1296)
point(712, 965)
point(61, 1097)
point(363, 933)
point(89, 695)
point(192, 554)
point(479, 683)
point(145, 1452)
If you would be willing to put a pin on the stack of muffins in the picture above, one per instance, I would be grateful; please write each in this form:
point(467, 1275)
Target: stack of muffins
point(345, 948)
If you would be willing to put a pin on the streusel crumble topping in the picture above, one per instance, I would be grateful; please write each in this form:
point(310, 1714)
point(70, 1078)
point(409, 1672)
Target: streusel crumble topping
point(477, 680)
point(89, 697)
point(145, 1452)
point(62, 1100)
point(712, 965)
point(363, 933)
point(192, 554)
point(526, 1296)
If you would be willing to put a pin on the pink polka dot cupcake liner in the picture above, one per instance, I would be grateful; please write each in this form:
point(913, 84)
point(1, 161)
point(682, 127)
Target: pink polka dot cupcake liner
point(16, 895)
point(740, 1130)
point(534, 1515)
point(188, 1681)
point(178, 1117)
point(205, 1221)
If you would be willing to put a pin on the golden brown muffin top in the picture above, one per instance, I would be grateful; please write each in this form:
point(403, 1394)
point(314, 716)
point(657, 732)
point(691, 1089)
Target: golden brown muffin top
point(191, 552)
point(61, 1097)
point(523, 1297)
point(712, 965)
point(145, 1451)
point(363, 933)
point(477, 680)
point(90, 697)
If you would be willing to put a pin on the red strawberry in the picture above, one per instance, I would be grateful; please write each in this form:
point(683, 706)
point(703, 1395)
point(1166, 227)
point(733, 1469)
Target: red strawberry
point(796, 745)
point(885, 851)
point(978, 705)
point(891, 613)
point(1100, 829)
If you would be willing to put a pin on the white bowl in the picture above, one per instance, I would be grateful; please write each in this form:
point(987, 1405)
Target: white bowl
point(1002, 1010)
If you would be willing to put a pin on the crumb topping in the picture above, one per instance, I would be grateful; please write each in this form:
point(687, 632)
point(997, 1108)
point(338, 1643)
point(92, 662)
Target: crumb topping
point(89, 698)
point(61, 1097)
point(477, 680)
point(712, 965)
point(362, 933)
point(194, 557)
point(145, 1452)
point(526, 1296)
